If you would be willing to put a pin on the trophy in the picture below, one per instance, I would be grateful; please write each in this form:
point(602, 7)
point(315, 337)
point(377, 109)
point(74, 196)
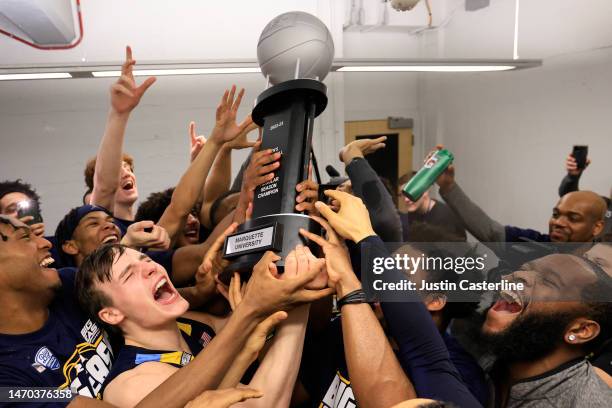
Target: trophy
point(295, 52)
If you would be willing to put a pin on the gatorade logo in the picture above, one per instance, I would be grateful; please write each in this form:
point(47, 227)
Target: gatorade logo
point(431, 161)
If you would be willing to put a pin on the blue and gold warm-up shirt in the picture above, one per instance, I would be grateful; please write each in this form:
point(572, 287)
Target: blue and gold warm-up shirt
point(196, 334)
point(69, 352)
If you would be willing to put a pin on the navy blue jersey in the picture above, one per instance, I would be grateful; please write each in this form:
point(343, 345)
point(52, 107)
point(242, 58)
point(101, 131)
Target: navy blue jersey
point(197, 335)
point(323, 371)
point(122, 224)
point(69, 352)
point(515, 234)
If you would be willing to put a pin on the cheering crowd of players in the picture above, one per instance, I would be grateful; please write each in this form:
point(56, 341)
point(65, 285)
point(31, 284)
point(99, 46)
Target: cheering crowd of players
point(123, 305)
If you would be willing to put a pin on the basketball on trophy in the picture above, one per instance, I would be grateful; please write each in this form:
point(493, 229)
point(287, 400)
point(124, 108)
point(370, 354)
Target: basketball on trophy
point(295, 45)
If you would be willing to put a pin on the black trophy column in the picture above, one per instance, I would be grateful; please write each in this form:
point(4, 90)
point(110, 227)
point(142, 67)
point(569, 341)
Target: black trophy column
point(283, 132)
point(286, 112)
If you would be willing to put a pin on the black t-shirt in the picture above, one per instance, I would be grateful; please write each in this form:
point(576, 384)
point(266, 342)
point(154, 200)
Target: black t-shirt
point(440, 215)
point(70, 351)
point(323, 371)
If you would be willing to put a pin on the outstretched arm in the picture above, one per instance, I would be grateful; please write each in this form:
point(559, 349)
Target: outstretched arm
point(483, 227)
point(376, 376)
point(572, 178)
point(278, 371)
point(220, 175)
point(192, 182)
point(422, 351)
point(368, 186)
point(125, 96)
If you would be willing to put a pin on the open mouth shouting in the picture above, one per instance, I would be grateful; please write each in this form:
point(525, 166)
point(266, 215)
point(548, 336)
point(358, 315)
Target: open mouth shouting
point(508, 307)
point(191, 234)
point(112, 238)
point(509, 302)
point(164, 292)
point(127, 184)
point(50, 273)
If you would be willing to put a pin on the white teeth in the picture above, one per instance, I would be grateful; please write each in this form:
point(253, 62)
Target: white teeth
point(110, 238)
point(46, 262)
point(160, 284)
point(511, 297)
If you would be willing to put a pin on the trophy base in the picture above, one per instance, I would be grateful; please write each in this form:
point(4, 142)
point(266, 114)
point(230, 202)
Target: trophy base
point(277, 232)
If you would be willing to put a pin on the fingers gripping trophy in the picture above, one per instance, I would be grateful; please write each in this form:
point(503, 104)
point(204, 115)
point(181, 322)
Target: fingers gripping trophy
point(295, 53)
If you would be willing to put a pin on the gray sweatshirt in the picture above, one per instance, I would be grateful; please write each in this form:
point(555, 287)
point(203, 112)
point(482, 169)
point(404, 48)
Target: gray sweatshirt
point(573, 385)
point(480, 225)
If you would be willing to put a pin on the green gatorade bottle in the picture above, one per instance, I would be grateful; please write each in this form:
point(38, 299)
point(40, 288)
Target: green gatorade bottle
point(428, 174)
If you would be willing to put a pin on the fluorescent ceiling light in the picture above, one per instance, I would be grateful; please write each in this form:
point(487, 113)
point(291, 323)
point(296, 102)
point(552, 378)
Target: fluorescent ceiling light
point(42, 75)
point(426, 68)
point(185, 71)
point(250, 66)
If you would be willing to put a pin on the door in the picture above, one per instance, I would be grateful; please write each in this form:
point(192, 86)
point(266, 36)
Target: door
point(395, 159)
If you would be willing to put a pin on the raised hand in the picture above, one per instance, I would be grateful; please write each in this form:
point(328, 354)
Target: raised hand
point(572, 166)
point(226, 129)
point(137, 236)
point(125, 95)
point(446, 180)
point(361, 148)
point(352, 221)
point(37, 229)
point(234, 292)
point(308, 194)
point(280, 294)
point(261, 167)
point(196, 142)
point(257, 340)
point(213, 264)
point(337, 259)
point(241, 141)
point(301, 261)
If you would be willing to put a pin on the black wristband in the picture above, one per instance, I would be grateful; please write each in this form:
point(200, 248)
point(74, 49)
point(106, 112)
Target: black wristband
point(356, 296)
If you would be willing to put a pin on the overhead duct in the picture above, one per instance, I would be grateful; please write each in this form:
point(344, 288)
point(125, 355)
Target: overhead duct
point(42, 24)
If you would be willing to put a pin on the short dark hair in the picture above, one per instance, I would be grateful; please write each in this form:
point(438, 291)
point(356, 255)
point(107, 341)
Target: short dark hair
point(19, 186)
point(597, 308)
point(66, 227)
point(64, 232)
point(96, 268)
point(216, 205)
point(154, 206)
